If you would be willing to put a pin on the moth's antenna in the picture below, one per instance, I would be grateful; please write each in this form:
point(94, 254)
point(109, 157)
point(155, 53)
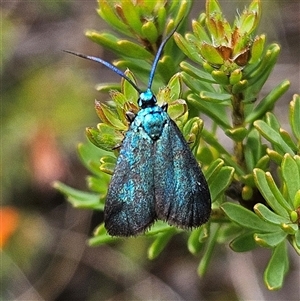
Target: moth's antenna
point(108, 65)
point(160, 49)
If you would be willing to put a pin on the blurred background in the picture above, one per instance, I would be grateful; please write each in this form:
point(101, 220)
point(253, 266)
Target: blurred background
point(47, 100)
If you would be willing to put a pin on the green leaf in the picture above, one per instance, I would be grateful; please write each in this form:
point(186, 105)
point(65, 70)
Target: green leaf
point(272, 121)
point(133, 50)
point(237, 134)
point(239, 87)
point(105, 137)
point(211, 140)
point(255, 8)
point(295, 116)
point(132, 15)
point(196, 239)
point(105, 39)
point(248, 22)
point(140, 67)
point(218, 98)
point(208, 252)
point(277, 267)
point(295, 242)
point(195, 84)
point(288, 139)
point(244, 242)
point(247, 218)
point(274, 156)
point(270, 192)
point(188, 49)
point(90, 156)
point(175, 84)
point(192, 131)
point(200, 32)
point(290, 228)
point(183, 9)
point(213, 7)
point(273, 136)
point(159, 227)
point(96, 184)
point(161, 16)
point(228, 231)
point(211, 54)
point(177, 109)
point(106, 12)
point(257, 78)
point(297, 237)
point(198, 73)
point(220, 77)
point(108, 164)
point(297, 159)
point(216, 113)
point(121, 102)
point(253, 149)
point(270, 240)
point(101, 237)
point(214, 168)
point(130, 93)
point(261, 72)
point(109, 116)
point(278, 195)
point(107, 87)
point(160, 243)
point(296, 202)
point(257, 49)
point(248, 180)
point(235, 76)
point(266, 214)
point(205, 154)
point(231, 162)
point(220, 181)
point(166, 67)
point(120, 47)
point(80, 199)
point(291, 176)
point(267, 103)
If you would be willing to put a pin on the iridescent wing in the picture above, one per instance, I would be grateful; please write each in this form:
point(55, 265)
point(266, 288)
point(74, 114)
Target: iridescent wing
point(181, 193)
point(130, 207)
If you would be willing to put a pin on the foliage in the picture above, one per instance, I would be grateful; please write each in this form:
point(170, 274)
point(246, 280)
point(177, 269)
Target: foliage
point(256, 190)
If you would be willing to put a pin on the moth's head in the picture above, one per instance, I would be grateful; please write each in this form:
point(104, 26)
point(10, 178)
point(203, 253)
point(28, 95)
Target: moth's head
point(147, 99)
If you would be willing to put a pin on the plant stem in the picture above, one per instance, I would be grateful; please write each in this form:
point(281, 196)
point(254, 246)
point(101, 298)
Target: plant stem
point(238, 121)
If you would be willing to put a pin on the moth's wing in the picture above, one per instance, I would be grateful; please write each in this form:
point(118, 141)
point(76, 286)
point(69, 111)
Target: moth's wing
point(130, 206)
point(181, 191)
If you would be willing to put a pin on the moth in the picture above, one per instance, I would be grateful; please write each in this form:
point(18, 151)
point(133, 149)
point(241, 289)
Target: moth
point(156, 175)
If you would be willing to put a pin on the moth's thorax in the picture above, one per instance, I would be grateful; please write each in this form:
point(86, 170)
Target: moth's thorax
point(152, 120)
